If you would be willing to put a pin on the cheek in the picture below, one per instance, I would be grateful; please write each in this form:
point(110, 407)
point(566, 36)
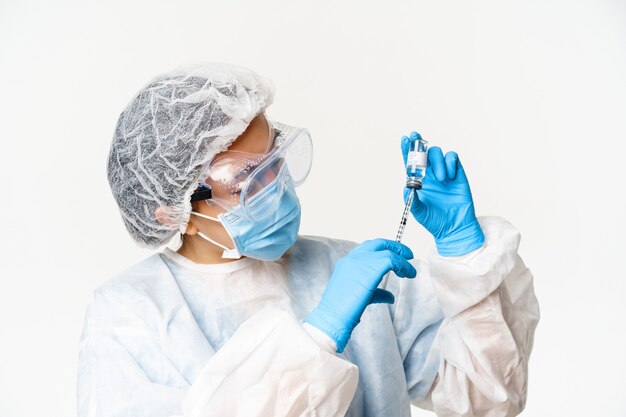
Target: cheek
point(211, 208)
point(268, 176)
point(222, 235)
point(271, 173)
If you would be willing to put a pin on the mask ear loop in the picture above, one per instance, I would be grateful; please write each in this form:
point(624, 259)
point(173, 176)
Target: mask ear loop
point(204, 193)
point(228, 252)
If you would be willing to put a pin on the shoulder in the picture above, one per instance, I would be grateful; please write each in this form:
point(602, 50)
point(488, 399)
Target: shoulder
point(129, 286)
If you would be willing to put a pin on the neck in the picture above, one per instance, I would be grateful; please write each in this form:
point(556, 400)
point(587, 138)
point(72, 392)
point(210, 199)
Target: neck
point(200, 251)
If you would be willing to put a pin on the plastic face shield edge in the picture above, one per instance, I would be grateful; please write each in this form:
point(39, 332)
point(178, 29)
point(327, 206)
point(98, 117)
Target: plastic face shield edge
point(256, 181)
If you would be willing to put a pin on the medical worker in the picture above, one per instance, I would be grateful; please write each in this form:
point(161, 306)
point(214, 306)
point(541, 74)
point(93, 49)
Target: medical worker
point(247, 318)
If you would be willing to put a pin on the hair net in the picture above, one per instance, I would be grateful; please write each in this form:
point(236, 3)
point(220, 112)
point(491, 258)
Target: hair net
point(168, 134)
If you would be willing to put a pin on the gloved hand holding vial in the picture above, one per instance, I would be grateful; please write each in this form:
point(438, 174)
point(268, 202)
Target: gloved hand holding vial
point(443, 203)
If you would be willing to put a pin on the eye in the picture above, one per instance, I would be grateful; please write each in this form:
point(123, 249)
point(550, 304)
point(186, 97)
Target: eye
point(250, 166)
point(234, 188)
point(240, 174)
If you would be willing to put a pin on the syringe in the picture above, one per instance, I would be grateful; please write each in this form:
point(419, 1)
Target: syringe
point(416, 163)
point(405, 215)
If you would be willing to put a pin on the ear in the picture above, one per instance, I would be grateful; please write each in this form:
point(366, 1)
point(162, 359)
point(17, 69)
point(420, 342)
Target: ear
point(163, 216)
point(191, 228)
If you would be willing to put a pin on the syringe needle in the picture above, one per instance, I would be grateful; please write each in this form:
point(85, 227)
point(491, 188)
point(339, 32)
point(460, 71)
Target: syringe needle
point(405, 215)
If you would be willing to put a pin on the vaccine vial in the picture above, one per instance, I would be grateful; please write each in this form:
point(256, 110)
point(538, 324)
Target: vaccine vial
point(416, 162)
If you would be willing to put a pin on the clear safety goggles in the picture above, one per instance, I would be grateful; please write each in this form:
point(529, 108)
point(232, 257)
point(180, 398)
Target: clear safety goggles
point(256, 181)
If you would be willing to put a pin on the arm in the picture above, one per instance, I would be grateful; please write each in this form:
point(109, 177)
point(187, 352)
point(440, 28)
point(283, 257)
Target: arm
point(272, 366)
point(486, 337)
point(485, 293)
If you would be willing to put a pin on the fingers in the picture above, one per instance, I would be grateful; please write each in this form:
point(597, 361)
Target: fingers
point(382, 296)
point(390, 261)
point(444, 168)
point(451, 160)
point(415, 136)
point(379, 244)
point(388, 255)
point(437, 163)
point(404, 145)
point(460, 172)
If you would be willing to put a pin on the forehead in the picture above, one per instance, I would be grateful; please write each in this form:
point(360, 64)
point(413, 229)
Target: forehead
point(255, 139)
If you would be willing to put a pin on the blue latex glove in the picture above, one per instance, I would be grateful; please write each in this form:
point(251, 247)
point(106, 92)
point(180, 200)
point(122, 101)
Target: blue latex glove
point(444, 205)
point(352, 286)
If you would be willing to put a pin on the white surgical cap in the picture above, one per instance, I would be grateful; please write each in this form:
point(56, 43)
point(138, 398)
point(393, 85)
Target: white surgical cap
point(168, 134)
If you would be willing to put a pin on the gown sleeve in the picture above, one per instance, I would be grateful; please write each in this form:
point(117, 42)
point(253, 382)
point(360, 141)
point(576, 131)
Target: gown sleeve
point(271, 366)
point(473, 359)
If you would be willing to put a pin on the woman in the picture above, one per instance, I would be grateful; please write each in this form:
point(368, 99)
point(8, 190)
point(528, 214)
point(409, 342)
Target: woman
point(247, 318)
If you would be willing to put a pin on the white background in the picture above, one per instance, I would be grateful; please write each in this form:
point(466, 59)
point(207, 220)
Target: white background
point(532, 95)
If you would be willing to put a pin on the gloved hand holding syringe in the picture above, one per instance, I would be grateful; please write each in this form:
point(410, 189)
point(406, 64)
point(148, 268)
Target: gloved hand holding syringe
point(438, 196)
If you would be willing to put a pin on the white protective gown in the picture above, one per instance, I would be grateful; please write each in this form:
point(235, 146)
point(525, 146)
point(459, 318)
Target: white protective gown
point(169, 337)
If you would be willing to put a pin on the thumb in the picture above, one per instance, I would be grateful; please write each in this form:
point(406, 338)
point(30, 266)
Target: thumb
point(382, 296)
point(404, 145)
